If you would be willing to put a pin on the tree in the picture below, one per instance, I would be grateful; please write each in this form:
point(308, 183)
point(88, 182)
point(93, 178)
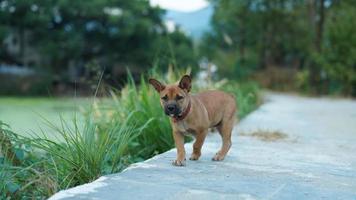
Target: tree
point(19, 16)
point(312, 36)
point(114, 33)
point(259, 34)
point(337, 58)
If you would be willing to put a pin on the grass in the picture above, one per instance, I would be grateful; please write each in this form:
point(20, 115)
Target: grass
point(24, 176)
point(127, 127)
point(25, 114)
point(247, 96)
point(87, 153)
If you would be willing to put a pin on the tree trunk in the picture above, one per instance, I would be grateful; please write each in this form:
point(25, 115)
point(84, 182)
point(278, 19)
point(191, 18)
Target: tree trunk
point(316, 15)
point(311, 13)
point(242, 44)
point(320, 26)
point(22, 45)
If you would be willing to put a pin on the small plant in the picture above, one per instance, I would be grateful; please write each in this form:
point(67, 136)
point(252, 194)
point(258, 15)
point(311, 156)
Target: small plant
point(22, 172)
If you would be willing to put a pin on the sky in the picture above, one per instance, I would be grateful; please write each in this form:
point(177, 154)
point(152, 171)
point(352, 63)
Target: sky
point(180, 5)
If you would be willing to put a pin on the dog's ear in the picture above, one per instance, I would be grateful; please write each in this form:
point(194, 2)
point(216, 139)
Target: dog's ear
point(156, 84)
point(185, 83)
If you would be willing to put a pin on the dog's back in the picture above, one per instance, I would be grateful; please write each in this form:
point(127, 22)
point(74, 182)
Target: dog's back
point(219, 105)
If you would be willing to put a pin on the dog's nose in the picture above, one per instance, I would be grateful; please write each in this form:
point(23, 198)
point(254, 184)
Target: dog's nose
point(171, 107)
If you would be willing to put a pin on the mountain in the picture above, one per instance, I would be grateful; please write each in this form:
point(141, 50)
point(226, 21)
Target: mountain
point(193, 23)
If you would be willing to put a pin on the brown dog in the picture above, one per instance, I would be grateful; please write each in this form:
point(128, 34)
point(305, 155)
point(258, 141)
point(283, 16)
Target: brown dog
point(195, 114)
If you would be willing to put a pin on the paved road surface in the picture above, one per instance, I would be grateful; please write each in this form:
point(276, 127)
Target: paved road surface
point(317, 160)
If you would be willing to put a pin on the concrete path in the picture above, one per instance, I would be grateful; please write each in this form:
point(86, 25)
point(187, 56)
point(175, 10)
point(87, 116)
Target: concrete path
point(316, 159)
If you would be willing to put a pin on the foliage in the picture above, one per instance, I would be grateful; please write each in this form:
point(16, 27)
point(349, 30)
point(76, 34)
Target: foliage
point(77, 156)
point(69, 35)
point(126, 128)
point(253, 34)
point(247, 96)
point(338, 58)
point(26, 175)
point(314, 36)
point(81, 155)
point(25, 85)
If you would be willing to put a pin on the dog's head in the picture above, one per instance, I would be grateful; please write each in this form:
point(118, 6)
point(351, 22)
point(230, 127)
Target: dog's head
point(174, 97)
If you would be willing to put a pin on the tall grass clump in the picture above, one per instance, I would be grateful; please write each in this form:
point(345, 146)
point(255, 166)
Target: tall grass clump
point(41, 166)
point(82, 154)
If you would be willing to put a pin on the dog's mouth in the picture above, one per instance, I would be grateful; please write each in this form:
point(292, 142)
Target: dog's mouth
point(174, 114)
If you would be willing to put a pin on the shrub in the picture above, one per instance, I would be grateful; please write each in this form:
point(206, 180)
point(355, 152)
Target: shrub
point(23, 174)
point(81, 155)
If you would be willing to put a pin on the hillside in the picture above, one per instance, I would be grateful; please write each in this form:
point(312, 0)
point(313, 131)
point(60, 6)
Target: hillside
point(193, 23)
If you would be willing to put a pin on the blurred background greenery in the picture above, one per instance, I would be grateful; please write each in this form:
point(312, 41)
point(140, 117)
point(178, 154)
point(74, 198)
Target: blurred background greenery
point(57, 47)
point(305, 45)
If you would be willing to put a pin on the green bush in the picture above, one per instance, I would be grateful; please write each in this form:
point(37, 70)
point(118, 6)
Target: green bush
point(81, 155)
point(23, 172)
point(337, 60)
point(25, 85)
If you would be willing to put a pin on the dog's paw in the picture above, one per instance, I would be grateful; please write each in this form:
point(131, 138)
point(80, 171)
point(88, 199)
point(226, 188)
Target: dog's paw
point(178, 163)
point(194, 156)
point(218, 157)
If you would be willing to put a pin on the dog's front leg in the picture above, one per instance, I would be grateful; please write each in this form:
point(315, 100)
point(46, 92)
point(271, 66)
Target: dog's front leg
point(199, 140)
point(179, 141)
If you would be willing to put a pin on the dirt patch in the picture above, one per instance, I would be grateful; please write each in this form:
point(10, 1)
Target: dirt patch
point(267, 136)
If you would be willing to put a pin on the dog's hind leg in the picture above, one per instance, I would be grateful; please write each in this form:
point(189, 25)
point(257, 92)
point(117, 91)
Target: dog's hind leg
point(225, 130)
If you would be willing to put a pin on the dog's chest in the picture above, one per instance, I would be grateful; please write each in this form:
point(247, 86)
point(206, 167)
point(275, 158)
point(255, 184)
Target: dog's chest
point(183, 127)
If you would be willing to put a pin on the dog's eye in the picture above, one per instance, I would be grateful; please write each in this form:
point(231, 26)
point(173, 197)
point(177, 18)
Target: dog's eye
point(178, 97)
point(165, 98)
